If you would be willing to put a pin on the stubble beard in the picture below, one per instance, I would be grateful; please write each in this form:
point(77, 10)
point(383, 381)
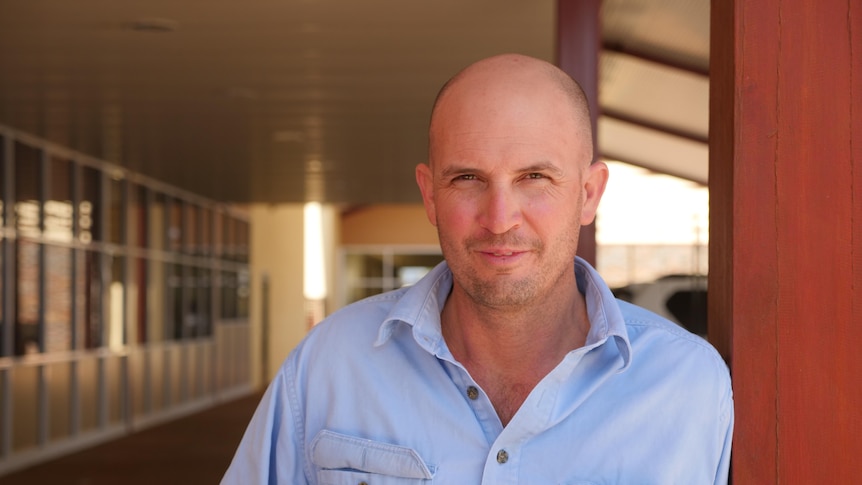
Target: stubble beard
point(503, 291)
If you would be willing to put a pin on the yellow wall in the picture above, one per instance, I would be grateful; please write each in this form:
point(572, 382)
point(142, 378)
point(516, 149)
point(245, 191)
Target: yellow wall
point(277, 252)
point(388, 225)
point(276, 240)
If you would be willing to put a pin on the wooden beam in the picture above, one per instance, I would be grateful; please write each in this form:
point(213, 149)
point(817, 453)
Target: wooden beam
point(578, 46)
point(786, 233)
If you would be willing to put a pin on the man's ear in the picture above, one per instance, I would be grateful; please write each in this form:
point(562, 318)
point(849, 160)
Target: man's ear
point(425, 180)
point(595, 180)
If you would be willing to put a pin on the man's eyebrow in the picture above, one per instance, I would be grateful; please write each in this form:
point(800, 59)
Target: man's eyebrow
point(543, 166)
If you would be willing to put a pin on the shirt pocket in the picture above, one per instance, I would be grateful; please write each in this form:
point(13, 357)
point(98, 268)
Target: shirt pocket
point(343, 459)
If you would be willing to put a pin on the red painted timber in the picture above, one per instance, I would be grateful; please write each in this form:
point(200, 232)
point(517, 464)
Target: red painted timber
point(786, 202)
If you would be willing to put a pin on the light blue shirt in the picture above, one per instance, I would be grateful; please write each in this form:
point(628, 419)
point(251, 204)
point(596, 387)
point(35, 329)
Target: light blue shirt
point(374, 396)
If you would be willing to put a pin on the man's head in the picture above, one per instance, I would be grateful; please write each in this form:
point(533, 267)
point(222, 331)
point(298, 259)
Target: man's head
point(509, 180)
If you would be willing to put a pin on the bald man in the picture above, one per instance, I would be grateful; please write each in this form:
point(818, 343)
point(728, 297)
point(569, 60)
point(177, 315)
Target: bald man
point(511, 362)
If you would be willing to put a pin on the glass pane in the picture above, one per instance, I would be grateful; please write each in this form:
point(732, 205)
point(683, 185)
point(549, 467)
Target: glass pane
point(114, 385)
point(5, 376)
point(28, 297)
point(2, 302)
point(156, 303)
point(229, 237)
point(242, 235)
point(28, 179)
point(59, 400)
point(206, 244)
point(175, 226)
point(175, 291)
point(90, 206)
point(357, 293)
point(92, 299)
point(191, 229)
point(409, 268)
point(59, 213)
point(157, 221)
point(200, 302)
point(2, 182)
point(80, 293)
point(188, 308)
point(137, 385)
point(157, 378)
point(207, 370)
point(228, 295)
point(116, 305)
point(137, 300)
point(242, 293)
point(174, 388)
point(88, 388)
point(58, 298)
point(361, 266)
point(194, 361)
point(118, 221)
point(25, 392)
point(137, 218)
point(205, 298)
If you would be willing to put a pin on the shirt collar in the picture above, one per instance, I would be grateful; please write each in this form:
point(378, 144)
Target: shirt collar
point(421, 304)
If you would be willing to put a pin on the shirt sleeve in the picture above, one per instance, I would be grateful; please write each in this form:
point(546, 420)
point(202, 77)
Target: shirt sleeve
point(722, 474)
point(271, 450)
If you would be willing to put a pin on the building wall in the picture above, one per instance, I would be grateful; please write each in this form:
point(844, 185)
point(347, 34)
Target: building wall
point(276, 254)
point(123, 301)
point(389, 225)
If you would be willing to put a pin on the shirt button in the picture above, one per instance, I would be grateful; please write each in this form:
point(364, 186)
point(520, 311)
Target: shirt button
point(472, 393)
point(502, 457)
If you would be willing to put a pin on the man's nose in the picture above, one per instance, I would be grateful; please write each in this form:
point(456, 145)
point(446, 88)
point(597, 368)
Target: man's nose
point(500, 211)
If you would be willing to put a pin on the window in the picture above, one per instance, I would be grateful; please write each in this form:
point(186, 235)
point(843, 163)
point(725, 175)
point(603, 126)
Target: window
point(157, 221)
point(242, 241)
point(175, 225)
point(90, 206)
point(28, 283)
point(191, 229)
point(116, 328)
point(176, 322)
point(28, 178)
point(117, 211)
point(137, 217)
point(228, 238)
point(59, 208)
point(59, 268)
point(28, 253)
point(3, 182)
point(206, 244)
point(372, 270)
point(91, 298)
point(58, 298)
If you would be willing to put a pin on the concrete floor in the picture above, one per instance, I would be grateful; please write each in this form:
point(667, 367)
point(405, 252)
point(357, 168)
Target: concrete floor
point(192, 450)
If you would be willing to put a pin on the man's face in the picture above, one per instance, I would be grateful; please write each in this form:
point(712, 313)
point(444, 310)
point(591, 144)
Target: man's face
point(506, 190)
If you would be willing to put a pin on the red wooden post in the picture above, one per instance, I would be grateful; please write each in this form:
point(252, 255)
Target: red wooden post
point(785, 288)
point(578, 47)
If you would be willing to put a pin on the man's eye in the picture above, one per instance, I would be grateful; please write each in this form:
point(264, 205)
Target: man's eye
point(535, 176)
point(466, 176)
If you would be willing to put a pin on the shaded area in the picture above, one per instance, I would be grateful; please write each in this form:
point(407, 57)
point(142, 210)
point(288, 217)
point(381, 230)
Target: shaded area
point(195, 449)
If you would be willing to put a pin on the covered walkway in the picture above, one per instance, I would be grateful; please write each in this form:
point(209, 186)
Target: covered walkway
point(194, 449)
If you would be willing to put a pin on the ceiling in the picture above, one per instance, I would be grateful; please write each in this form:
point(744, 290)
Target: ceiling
point(296, 100)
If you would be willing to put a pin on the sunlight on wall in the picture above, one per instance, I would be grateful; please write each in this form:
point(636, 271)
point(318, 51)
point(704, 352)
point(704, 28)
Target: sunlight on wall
point(651, 225)
point(642, 207)
point(314, 272)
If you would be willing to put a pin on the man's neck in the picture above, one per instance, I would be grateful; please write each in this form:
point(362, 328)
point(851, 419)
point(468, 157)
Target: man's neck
point(508, 351)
